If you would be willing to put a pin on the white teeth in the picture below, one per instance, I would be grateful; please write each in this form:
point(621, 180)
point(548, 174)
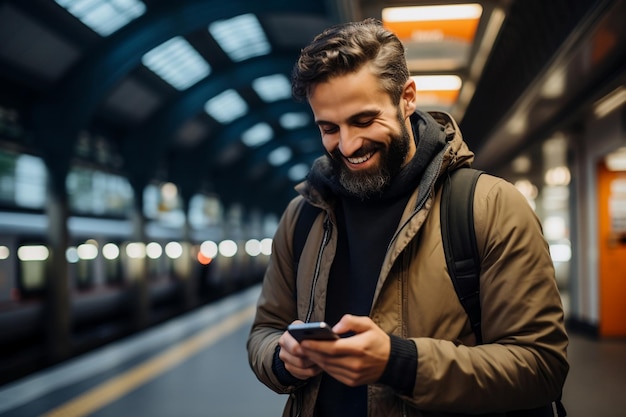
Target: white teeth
point(361, 159)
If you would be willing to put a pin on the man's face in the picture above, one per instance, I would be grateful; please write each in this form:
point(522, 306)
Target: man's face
point(363, 131)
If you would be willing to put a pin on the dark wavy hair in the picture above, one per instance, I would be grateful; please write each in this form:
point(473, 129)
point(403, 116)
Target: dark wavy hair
point(346, 48)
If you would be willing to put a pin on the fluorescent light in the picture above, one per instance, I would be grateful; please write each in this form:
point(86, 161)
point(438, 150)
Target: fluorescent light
point(253, 247)
point(272, 88)
point(610, 102)
point(257, 135)
point(241, 37)
point(437, 82)
point(616, 161)
point(104, 16)
point(177, 62)
point(561, 252)
point(279, 156)
point(33, 253)
point(517, 124)
point(87, 251)
point(431, 13)
point(226, 107)
point(227, 248)
point(554, 86)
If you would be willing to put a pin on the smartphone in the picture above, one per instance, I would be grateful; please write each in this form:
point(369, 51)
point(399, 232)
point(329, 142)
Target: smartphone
point(316, 331)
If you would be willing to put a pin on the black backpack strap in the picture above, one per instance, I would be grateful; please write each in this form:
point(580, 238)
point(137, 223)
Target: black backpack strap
point(459, 241)
point(459, 244)
point(560, 408)
point(305, 220)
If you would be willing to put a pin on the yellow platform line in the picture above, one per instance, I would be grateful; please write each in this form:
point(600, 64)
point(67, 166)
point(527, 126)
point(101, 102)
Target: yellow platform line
point(121, 385)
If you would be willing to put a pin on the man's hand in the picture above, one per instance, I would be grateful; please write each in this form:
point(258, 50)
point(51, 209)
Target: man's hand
point(296, 361)
point(356, 360)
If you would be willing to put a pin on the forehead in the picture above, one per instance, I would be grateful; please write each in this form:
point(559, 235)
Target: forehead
point(345, 95)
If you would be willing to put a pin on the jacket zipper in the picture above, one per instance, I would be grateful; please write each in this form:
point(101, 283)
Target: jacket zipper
point(318, 262)
point(420, 203)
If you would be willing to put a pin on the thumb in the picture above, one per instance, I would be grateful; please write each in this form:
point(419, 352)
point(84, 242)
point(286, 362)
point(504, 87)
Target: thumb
point(353, 324)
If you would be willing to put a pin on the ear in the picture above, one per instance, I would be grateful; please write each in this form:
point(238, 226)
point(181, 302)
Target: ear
point(408, 100)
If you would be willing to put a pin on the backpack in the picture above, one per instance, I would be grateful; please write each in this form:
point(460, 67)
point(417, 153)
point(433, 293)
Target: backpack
point(461, 253)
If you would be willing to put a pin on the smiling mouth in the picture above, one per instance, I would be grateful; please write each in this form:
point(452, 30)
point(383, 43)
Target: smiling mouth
point(360, 159)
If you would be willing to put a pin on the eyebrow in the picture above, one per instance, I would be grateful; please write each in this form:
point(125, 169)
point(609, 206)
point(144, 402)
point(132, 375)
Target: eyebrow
point(353, 118)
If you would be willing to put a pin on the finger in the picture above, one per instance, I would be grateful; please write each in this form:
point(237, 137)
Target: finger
point(353, 324)
point(303, 373)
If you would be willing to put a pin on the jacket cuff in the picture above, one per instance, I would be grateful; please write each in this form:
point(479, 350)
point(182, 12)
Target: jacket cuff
point(283, 375)
point(401, 368)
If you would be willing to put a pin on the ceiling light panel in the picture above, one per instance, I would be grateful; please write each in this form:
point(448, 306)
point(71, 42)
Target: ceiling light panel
point(226, 106)
point(241, 37)
point(177, 62)
point(437, 82)
point(272, 88)
point(104, 16)
point(432, 13)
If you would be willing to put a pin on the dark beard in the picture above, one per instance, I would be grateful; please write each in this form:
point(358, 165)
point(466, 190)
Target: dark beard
point(373, 183)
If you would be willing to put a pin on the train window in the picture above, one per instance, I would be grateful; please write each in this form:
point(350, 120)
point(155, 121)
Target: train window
point(81, 259)
point(156, 262)
point(112, 263)
point(6, 270)
point(32, 259)
point(22, 180)
point(205, 211)
point(98, 193)
point(163, 203)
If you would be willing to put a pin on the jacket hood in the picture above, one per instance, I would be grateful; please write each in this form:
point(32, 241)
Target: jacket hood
point(459, 153)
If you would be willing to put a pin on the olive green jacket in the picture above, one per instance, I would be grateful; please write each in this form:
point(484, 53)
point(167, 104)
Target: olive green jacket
point(522, 362)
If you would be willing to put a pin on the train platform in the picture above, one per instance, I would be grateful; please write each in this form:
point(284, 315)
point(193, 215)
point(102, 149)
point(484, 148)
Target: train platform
point(196, 365)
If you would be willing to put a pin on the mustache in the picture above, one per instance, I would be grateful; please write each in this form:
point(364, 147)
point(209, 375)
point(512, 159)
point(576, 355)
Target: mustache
point(362, 151)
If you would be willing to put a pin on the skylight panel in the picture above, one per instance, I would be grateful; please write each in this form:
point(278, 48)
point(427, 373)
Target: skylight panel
point(257, 135)
point(272, 88)
point(104, 16)
point(294, 120)
point(279, 156)
point(241, 37)
point(226, 106)
point(177, 62)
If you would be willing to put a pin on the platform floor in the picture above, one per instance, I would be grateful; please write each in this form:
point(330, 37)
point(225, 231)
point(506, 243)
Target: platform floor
point(196, 365)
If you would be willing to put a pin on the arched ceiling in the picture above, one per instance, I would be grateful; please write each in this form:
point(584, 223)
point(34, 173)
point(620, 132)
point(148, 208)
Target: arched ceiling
point(71, 85)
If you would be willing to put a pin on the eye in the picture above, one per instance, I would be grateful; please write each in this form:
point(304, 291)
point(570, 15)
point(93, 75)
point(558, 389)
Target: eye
point(363, 123)
point(328, 129)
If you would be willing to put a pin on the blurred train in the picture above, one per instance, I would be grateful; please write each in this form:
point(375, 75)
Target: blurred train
point(104, 265)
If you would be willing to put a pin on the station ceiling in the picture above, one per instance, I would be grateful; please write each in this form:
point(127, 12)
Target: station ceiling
point(87, 95)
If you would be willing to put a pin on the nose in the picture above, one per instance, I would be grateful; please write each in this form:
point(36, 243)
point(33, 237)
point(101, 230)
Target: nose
point(349, 141)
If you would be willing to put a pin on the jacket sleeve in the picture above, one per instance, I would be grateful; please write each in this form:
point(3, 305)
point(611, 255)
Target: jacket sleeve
point(276, 307)
point(522, 363)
